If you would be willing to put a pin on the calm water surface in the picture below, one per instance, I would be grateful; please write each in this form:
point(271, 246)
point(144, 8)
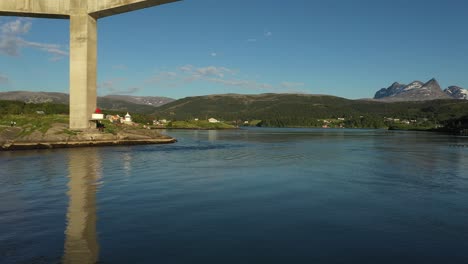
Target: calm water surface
point(247, 196)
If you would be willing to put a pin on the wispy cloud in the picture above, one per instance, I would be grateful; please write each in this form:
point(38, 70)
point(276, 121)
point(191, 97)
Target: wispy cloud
point(119, 67)
point(246, 84)
point(266, 34)
point(110, 84)
point(116, 86)
point(214, 54)
point(126, 91)
point(292, 85)
point(187, 68)
point(213, 71)
point(11, 40)
point(224, 76)
point(4, 79)
point(162, 76)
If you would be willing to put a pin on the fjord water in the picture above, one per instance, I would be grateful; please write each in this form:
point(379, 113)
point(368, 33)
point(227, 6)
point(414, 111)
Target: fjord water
point(244, 196)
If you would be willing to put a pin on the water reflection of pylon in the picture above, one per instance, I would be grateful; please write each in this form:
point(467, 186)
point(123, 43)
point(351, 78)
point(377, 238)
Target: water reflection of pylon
point(81, 245)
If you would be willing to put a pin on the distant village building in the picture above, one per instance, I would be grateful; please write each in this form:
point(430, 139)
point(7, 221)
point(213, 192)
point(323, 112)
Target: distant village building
point(213, 120)
point(160, 123)
point(40, 112)
point(115, 119)
point(196, 119)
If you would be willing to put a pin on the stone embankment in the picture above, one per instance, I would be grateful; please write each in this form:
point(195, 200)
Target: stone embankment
point(58, 136)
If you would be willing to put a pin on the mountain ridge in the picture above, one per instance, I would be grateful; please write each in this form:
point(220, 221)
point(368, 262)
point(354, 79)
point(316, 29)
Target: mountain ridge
point(110, 102)
point(419, 91)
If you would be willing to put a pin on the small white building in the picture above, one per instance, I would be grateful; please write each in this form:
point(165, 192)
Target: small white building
point(212, 120)
point(97, 115)
point(128, 119)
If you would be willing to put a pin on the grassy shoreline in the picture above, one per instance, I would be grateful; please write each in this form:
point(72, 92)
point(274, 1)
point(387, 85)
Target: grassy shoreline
point(52, 131)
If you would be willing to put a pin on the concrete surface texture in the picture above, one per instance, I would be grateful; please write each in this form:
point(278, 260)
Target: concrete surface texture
point(83, 15)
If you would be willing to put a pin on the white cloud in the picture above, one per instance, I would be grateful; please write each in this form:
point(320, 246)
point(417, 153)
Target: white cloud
point(17, 27)
point(268, 34)
point(11, 41)
point(214, 54)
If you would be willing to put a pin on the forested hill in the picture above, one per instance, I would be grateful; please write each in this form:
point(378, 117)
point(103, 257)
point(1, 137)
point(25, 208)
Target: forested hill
point(304, 110)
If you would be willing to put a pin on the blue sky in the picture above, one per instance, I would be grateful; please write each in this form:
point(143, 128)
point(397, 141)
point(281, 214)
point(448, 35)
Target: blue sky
point(196, 47)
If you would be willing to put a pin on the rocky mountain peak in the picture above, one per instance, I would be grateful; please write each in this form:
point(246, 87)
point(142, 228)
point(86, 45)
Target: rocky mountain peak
point(457, 92)
point(432, 82)
point(415, 91)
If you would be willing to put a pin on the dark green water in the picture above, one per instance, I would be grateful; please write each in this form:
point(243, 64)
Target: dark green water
point(248, 196)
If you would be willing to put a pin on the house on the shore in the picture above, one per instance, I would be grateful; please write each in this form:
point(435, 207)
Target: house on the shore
point(159, 122)
point(213, 120)
point(115, 119)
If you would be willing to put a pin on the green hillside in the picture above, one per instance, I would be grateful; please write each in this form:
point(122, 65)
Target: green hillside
point(120, 105)
point(309, 110)
point(282, 110)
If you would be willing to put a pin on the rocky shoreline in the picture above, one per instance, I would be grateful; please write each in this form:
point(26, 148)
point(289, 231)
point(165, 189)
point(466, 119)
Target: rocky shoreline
point(15, 138)
point(76, 144)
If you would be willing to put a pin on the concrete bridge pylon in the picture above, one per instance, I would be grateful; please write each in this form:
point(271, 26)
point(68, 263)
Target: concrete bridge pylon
point(83, 15)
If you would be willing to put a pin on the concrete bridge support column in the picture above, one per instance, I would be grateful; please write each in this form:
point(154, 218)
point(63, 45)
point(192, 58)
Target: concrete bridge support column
point(83, 15)
point(83, 69)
